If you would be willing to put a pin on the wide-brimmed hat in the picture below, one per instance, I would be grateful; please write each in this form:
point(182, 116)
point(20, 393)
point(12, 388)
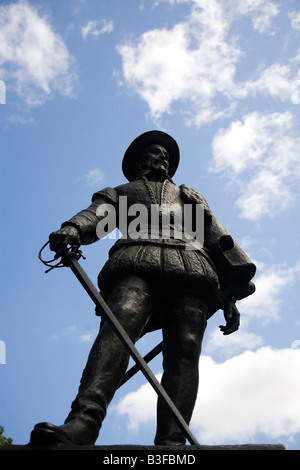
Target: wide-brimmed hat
point(145, 140)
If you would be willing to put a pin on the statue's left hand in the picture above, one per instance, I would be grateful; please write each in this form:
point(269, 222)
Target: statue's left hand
point(232, 317)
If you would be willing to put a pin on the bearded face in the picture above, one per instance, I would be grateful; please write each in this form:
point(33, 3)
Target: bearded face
point(154, 158)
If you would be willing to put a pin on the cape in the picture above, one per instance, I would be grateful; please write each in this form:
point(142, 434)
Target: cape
point(233, 266)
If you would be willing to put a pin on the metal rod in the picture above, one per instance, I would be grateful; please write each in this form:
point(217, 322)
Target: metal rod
point(134, 369)
point(70, 260)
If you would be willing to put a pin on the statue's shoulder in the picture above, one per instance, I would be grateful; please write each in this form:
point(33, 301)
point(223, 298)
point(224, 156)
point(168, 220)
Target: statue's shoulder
point(111, 195)
point(130, 188)
point(108, 194)
point(192, 196)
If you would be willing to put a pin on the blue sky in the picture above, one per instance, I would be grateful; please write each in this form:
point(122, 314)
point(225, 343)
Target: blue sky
point(83, 78)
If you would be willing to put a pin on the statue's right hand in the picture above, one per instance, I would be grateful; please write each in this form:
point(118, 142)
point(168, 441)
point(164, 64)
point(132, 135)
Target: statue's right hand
point(59, 240)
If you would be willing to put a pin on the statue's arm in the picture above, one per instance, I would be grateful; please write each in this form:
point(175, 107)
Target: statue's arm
point(81, 229)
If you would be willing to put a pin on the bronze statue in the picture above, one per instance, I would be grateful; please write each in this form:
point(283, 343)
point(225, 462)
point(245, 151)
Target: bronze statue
point(151, 282)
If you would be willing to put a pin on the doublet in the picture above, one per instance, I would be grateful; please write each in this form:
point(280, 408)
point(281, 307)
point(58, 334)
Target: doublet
point(219, 270)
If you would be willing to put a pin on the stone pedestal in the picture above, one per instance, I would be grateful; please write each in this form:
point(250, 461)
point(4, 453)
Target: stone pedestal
point(147, 449)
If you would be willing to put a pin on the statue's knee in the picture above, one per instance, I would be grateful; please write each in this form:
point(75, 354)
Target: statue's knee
point(186, 329)
point(190, 315)
point(189, 347)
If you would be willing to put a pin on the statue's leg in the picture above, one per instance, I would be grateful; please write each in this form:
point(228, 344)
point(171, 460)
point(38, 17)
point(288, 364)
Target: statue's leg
point(182, 336)
point(130, 301)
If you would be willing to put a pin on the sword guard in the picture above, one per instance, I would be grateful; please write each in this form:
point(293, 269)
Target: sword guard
point(72, 250)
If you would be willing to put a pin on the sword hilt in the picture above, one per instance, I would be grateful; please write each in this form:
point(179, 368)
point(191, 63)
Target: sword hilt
point(71, 250)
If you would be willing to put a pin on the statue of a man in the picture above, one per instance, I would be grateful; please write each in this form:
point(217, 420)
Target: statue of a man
point(152, 283)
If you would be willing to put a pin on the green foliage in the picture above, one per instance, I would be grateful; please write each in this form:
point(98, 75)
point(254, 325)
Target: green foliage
point(4, 441)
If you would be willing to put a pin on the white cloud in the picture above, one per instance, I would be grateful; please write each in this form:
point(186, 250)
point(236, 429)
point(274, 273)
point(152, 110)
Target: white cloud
point(194, 63)
point(172, 2)
point(97, 27)
point(18, 119)
point(67, 331)
point(261, 12)
point(34, 61)
point(295, 19)
point(255, 392)
point(264, 149)
point(277, 81)
point(133, 406)
point(236, 343)
point(93, 177)
point(86, 338)
point(265, 304)
point(72, 333)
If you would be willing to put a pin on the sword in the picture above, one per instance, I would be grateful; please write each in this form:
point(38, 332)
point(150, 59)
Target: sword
point(134, 369)
point(70, 259)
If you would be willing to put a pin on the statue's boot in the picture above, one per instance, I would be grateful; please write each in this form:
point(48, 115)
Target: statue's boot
point(182, 338)
point(72, 433)
point(106, 366)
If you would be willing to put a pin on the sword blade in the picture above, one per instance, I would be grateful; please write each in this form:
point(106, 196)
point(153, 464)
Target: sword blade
point(134, 369)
